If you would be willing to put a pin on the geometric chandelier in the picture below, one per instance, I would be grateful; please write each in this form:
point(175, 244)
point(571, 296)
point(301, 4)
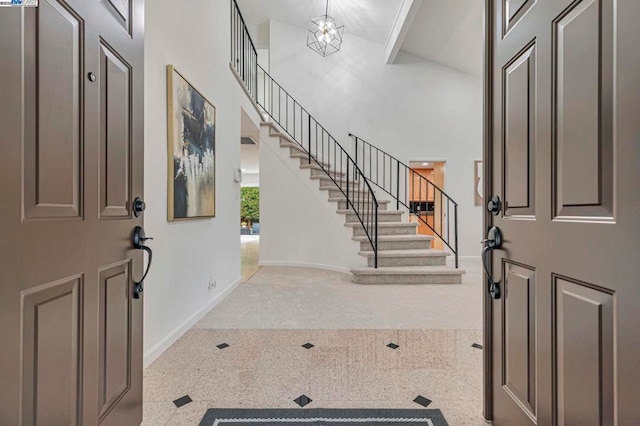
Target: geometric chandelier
point(325, 34)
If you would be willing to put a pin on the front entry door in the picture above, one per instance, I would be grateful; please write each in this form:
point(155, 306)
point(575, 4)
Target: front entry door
point(563, 155)
point(71, 138)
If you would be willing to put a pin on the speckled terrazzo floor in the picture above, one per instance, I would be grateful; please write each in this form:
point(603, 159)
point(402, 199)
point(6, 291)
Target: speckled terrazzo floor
point(266, 321)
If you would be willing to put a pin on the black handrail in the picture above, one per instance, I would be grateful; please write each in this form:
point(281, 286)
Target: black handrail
point(319, 146)
point(244, 56)
point(428, 202)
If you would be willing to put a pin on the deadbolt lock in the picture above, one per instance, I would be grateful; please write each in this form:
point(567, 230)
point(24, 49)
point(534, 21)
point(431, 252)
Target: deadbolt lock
point(494, 205)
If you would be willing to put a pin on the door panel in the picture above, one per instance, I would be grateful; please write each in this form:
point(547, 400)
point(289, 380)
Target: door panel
point(514, 10)
point(519, 134)
point(519, 334)
point(121, 11)
point(563, 95)
point(115, 134)
point(51, 335)
point(71, 124)
point(583, 139)
point(116, 299)
point(584, 370)
point(53, 91)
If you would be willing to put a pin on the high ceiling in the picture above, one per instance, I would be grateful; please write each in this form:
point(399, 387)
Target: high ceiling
point(369, 19)
point(448, 32)
point(445, 31)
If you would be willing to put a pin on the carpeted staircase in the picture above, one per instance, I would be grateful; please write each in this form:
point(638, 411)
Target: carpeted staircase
point(404, 256)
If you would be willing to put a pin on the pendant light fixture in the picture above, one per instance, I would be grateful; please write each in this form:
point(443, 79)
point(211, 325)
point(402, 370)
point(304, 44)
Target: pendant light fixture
point(325, 34)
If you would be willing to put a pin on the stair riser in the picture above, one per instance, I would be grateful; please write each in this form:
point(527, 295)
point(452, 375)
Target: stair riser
point(294, 150)
point(408, 261)
point(305, 160)
point(358, 231)
point(318, 172)
point(352, 218)
point(397, 245)
point(326, 180)
point(342, 205)
point(363, 197)
point(407, 279)
point(329, 185)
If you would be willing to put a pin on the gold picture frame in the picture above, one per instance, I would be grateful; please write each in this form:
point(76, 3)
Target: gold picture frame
point(191, 159)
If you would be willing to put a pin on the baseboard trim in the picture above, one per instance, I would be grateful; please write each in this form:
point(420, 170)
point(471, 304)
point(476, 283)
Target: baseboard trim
point(304, 265)
point(153, 353)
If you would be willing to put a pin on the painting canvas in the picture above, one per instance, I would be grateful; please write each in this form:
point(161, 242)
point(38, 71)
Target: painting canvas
point(191, 138)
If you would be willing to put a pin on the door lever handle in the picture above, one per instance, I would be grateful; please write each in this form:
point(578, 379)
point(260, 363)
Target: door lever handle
point(493, 242)
point(139, 238)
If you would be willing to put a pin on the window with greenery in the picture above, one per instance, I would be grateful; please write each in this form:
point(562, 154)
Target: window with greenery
point(250, 205)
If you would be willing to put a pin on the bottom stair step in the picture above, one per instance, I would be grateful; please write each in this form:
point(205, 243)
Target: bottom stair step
point(407, 275)
point(428, 257)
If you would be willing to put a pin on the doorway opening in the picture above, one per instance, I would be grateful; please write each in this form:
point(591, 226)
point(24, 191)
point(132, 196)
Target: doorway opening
point(249, 196)
point(425, 200)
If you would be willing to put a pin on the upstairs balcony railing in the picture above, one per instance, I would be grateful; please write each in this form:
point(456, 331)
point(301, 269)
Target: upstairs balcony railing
point(244, 56)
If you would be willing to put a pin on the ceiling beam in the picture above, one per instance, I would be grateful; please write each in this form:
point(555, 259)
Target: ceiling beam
point(400, 28)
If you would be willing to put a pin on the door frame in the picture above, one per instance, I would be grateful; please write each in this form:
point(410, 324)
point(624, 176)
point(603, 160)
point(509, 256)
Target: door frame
point(487, 218)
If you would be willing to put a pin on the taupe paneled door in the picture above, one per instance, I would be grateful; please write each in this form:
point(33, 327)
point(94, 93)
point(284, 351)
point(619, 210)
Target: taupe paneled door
point(71, 133)
point(563, 155)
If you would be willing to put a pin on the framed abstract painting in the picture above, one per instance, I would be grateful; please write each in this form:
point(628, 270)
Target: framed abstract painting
point(191, 124)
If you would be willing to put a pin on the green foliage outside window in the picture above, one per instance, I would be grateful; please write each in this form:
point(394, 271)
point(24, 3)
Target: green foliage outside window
point(250, 205)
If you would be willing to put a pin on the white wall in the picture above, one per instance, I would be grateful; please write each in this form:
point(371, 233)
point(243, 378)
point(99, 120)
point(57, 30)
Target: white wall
point(298, 225)
point(414, 109)
point(194, 37)
point(250, 180)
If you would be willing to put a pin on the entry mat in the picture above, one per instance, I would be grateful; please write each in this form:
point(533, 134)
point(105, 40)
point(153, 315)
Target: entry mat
point(322, 416)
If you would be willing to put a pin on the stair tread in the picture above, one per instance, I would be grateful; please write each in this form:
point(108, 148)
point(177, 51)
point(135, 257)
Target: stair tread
point(417, 237)
point(408, 270)
point(386, 224)
point(336, 188)
point(314, 165)
point(329, 178)
point(407, 253)
point(379, 212)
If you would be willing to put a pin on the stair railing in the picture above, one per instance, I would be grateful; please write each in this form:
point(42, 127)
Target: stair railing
point(429, 203)
point(318, 145)
point(324, 150)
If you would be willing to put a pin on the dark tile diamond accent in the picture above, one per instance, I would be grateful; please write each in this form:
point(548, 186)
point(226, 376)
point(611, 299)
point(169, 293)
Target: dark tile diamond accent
point(182, 401)
point(303, 400)
point(307, 345)
point(393, 346)
point(222, 346)
point(422, 401)
point(477, 346)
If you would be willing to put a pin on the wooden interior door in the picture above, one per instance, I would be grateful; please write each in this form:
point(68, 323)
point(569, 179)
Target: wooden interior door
point(563, 154)
point(71, 131)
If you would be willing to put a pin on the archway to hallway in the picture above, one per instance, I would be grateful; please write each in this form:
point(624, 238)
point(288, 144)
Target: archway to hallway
point(249, 196)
